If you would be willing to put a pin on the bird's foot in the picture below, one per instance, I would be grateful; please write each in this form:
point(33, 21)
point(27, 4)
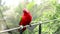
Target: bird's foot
point(30, 25)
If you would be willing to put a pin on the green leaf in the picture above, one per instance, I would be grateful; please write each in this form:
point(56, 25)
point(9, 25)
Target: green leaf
point(30, 5)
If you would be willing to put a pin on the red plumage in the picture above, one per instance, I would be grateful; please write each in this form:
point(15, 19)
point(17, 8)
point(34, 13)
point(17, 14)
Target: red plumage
point(26, 18)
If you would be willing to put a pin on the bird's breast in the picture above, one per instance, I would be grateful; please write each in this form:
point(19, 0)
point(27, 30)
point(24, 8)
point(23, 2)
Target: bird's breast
point(27, 20)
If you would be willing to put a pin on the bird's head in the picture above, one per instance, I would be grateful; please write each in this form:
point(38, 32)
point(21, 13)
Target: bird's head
point(25, 11)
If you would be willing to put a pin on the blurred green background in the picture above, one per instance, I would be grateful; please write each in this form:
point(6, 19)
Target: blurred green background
point(41, 10)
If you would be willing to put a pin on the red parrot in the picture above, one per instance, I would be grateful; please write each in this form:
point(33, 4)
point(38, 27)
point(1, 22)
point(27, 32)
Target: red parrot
point(25, 19)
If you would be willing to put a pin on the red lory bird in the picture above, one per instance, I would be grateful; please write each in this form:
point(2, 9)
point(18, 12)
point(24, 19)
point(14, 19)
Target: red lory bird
point(26, 19)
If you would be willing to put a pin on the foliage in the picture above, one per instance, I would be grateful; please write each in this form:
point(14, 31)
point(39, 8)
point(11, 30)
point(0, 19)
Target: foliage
point(46, 11)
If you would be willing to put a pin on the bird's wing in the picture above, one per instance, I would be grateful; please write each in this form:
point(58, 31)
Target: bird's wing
point(20, 19)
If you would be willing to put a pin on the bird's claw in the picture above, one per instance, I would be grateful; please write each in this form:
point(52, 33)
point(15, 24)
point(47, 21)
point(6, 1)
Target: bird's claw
point(30, 25)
